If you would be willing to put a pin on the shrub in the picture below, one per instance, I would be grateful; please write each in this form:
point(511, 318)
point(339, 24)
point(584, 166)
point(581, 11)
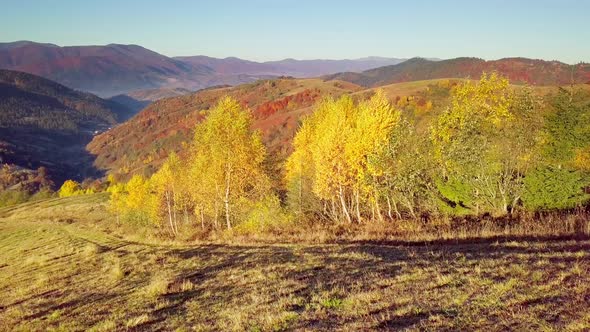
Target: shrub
point(42, 194)
point(70, 188)
point(264, 215)
point(13, 197)
point(550, 188)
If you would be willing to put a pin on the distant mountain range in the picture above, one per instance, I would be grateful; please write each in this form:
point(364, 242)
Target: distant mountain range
point(518, 70)
point(103, 70)
point(120, 69)
point(288, 67)
point(43, 123)
point(114, 69)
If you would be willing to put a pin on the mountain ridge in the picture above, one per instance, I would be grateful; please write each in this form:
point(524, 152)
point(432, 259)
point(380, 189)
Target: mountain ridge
point(114, 69)
point(519, 70)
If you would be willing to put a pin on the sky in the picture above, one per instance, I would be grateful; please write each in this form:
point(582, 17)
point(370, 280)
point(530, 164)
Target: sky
point(264, 30)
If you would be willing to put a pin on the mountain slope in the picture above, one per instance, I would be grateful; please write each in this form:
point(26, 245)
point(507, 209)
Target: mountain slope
point(518, 70)
point(156, 94)
point(138, 100)
point(231, 65)
point(105, 70)
point(115, 69)
point(140, 144)
point(43, 123)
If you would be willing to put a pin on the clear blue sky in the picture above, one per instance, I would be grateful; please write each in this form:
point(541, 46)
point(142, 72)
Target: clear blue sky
point(270, 30)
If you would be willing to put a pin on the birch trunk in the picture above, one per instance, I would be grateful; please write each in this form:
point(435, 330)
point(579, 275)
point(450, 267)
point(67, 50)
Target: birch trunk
point(226, 201)
point(344, 208)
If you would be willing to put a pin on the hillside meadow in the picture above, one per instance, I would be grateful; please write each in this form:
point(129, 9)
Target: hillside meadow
point(65, 266)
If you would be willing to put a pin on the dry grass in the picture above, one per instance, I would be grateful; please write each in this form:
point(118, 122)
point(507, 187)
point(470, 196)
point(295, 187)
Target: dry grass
point(73, 276)
point(158, 285)
point(441, 229)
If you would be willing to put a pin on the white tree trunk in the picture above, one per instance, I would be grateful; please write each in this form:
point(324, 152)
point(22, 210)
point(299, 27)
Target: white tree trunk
point(226, 200)
point(169, 206)
point(344, 208)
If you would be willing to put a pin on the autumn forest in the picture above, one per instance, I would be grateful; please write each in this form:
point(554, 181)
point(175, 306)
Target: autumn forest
point(491, 152)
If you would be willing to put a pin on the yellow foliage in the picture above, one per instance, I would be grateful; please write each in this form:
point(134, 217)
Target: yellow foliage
point(124, 169)
point(227, 157)
point(477, 109)
point(333, 146)
point(169, 195)
point(582, 159)
point(484, 142)
point(333, 123)
point(371, 130)
point(148, 159)
point(222, 174)
point(264, 215)
point(70, 188)
point(133, 200)
point(137, 189)
point(111, 180)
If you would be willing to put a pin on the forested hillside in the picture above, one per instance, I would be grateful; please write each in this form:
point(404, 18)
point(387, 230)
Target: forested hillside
point(105, 70)
point(141, 144)
point(43, 123)
point(518, 70)
point(452, 148)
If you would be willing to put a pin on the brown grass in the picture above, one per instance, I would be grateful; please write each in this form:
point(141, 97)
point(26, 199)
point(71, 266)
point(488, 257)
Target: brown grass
point(442, 229)
point(56, 275)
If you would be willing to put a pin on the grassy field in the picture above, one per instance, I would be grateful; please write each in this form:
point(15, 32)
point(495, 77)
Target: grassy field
point(60, 270)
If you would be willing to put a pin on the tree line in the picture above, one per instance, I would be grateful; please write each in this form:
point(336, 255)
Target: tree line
point(495, 150)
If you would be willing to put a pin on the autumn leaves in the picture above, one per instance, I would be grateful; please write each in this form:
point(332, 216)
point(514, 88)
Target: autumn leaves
point(220, 175)
point(357, 161)
point(365, 161)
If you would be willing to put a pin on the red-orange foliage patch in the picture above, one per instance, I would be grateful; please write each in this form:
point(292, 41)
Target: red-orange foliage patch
point(301, 99)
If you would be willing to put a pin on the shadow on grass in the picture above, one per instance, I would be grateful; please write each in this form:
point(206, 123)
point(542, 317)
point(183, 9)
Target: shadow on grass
point(473, 240)
point(342, 268)
point(227, 277)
